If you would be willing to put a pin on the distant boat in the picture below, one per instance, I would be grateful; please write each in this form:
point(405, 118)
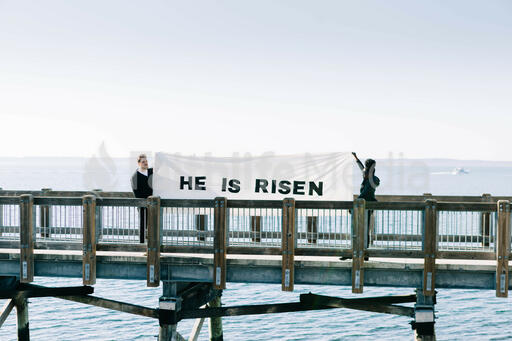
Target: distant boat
point(460, 171)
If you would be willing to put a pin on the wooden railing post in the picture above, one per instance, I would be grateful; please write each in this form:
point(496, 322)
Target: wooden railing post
point(220, 243)
point(201, 226)
point(288, 245)
point(44, 216)
point(430, 247)
point(89, 240)
point(26, 238)
point(503, 248)
point(485, 222)
point(358, 234)
point(256, 229)
point(312, 229)
point(153, 242)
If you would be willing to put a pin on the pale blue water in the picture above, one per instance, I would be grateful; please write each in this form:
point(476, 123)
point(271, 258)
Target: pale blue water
point(461, 314)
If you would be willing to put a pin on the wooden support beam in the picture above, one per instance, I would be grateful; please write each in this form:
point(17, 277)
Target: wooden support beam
point(312, 229)
point(26, 238)
point(169, 332)
point(220, 243)
point(154, 242)
point(39, 291)
point(358, 304)
point(358, 237)
point(430, 247)
point(215, 323)
point(196, 329)
point(89, 240)
point(256, 229)
point(22, 318)
point(113, 305)
point(288, 244)
point(201, 223)
point(6, 310)
point(503, 248)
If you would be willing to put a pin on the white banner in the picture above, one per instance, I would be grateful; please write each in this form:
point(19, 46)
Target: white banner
point(266, 177)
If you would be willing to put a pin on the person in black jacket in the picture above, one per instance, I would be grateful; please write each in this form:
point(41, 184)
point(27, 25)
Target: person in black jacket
point(141, 182)
point(367, 191)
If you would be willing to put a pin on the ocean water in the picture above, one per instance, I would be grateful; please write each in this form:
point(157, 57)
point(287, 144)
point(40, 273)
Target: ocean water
point(461, 314)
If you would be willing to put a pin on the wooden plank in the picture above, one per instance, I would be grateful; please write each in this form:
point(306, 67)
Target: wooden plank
point(201, 223)
point(38, 291)
point(312, 229)
point(196, 329)
point(57, 201)
point(6, 310)
point(153, 242)
point(395, 205)
point(288, 244)
point(485, 223)
point(215, 322)
point(113, 305)
point(466, 206)
point(503, 248)
point(254, 204)
point(326, 205)
point(122, 202)
point(359, 304)
point(358, 245)
point(255, 229)
point(89, 240)
point(430, 248)
point(26, 238)
point(220, 243)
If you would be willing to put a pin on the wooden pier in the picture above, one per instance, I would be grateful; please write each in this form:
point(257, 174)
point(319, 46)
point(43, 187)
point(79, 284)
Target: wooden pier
point(194, 247)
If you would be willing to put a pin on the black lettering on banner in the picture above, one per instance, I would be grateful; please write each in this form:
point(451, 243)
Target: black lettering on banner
point(200, 183)
point(298, 187)
point(284, 187)
point(234, 186)
point(261, 184)
point(183, 182)
point(224, 181)
point(318, 189)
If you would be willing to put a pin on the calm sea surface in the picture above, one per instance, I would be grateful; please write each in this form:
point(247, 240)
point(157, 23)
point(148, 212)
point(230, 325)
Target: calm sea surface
point(461, 314)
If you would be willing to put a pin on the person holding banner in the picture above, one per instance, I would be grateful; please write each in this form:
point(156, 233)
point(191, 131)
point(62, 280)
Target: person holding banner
point(141, 182)
point(367, 190)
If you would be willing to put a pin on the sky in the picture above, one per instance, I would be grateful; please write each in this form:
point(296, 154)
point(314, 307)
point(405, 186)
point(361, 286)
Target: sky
point(423, 79)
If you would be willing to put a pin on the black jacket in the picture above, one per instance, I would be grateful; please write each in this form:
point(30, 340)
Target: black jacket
point(142, 185)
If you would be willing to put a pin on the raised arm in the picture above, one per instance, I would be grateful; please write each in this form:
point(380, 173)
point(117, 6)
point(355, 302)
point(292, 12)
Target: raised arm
point(359, 163)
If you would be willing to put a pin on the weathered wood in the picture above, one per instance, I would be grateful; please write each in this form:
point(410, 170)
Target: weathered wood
point(326, 205)
point(26, 238)
point(248, 310)
point(57, 201)
point(44, 216)
point(220, 243)
point(113, 305)
point(169, 332)
point(215, 322)
point(6, 310)
point(192, 203)
point(314, 299)
point(196, 329)
point(22, 318)
point(288, 244)
point(312, 229)
point(466, 206)
point(254, 204)
point(201, 223)
point(89, 240)
point(485, 223)
point(255, 229)
point(360, 304)
point(358, 245)
point(38, 291)
point(153, 242)
point(395, 205)
point(430, 248)
point(503, 248)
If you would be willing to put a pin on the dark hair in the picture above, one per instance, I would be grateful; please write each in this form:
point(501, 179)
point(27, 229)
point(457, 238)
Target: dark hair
point(369, 166)
point(141, 156)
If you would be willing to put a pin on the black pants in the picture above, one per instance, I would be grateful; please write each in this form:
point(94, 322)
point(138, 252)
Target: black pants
point(143, 223)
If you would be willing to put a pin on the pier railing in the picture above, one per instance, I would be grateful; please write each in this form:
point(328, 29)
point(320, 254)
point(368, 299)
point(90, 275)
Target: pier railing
point(422, 227)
